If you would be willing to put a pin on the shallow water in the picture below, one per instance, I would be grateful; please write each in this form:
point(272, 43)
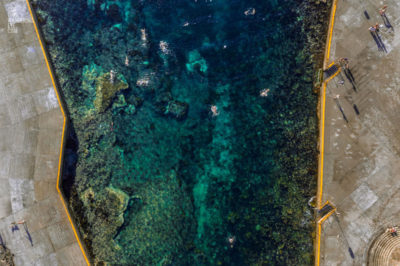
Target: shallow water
point(193, 129)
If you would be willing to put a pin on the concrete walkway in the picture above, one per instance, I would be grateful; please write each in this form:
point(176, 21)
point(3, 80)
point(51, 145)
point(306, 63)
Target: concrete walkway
point(362, 157)
point(30, 137)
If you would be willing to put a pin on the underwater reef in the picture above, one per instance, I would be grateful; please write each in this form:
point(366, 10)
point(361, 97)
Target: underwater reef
point(193, 127)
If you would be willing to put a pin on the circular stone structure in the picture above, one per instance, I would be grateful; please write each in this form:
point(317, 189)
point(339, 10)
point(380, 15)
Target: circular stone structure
point(385, 250)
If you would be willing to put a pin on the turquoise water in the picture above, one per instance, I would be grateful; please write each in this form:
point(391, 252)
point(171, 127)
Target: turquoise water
point(193, 127)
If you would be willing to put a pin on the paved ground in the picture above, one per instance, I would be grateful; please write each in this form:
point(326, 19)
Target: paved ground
point(362, 157)
point(30, 137)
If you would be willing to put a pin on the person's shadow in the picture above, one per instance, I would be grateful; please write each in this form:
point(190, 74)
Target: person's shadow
point(378, 41)
point(28, 235)
point(386, 21)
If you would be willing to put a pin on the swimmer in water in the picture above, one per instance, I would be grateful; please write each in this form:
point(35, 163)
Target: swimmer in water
point(231, 241)
point(214, 110)
point(250, 12)
point(112, 76)
point(126, 61)
point(264, 93)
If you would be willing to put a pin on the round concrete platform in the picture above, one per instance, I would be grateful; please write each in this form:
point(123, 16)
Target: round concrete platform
point(385, 250)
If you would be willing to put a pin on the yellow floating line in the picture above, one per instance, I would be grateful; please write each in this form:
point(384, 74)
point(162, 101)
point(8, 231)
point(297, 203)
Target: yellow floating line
point(322, 135)
point(62, 136)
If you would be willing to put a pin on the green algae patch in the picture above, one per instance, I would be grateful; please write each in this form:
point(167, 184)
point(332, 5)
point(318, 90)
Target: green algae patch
point(105, 212)
point(88, 86)
point(101, 88)
point(107, 87)
point(158, 213)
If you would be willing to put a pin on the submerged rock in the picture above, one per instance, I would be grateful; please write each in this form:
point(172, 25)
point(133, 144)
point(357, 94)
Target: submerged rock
point(176, 109)
point(100, 87)
point(89, 75)
point(158, 224)
point(131, 109)
point(120, 102)
point(105, 212)
point(196, 61)
point(106, 88)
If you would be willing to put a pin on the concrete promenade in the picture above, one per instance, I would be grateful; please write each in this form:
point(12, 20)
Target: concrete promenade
point(361, 173)
point(30, 135)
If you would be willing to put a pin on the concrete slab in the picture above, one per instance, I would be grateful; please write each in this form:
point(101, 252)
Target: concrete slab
point(30, 131)
point(362, 156)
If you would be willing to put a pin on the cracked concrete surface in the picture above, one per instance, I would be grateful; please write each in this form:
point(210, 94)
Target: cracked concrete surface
point(30, 133)
point(362, 157)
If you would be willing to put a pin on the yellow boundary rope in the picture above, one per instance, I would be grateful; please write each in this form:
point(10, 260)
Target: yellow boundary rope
point(62, 136)
point(322, 139)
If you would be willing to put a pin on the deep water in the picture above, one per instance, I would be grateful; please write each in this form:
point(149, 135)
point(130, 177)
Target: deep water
point(193, 132)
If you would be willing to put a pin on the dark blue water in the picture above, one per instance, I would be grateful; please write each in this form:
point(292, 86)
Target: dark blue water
point(193, 127)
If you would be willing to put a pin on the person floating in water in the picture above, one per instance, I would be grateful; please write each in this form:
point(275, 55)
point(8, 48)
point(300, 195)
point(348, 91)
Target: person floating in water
point(231, 241)
point(112, 76)
point(264, 93)
point(126, 61)
point(250, 12)
point(214, 110)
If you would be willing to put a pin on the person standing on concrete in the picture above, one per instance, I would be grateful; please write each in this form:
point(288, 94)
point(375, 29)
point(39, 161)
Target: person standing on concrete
point(344, 62)
point(382, 11)
point(376, 27)
point(14, 227)
point(374, 33)
point(385, 19)
point(393, 231)
point(372, 30)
